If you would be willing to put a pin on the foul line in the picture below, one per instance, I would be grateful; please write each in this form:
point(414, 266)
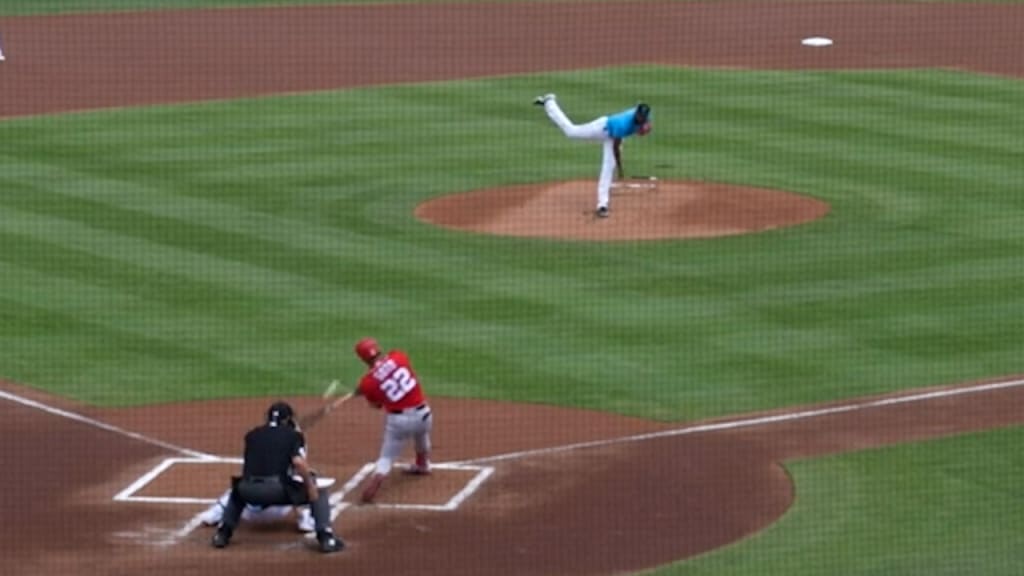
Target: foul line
point(103, 426)
point(753, 422)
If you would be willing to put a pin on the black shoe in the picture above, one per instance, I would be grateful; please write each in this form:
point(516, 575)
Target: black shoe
point(540, 100)
point(329, 542)
point(220, 538)
point(602, 212)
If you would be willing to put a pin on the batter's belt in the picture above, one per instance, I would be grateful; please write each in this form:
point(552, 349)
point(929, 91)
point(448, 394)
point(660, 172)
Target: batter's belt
point(419, 408)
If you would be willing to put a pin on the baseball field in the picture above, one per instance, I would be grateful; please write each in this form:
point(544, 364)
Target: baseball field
point(798, 351)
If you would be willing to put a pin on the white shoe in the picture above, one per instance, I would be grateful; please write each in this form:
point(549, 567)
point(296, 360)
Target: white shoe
point(305, 522)
point(212, 515)
point(541, 100)
point(2, 57)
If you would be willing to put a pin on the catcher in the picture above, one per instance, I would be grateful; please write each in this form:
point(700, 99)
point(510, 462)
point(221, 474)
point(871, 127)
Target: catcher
point(213, 515)
point(274, 453)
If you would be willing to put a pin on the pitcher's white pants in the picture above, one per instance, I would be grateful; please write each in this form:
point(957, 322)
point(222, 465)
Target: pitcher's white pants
point(595, 130)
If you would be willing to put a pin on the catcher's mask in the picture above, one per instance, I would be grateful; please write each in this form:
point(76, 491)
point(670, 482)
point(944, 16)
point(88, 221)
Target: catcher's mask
point(643, 113)
point(279, 413)
point(367, 350)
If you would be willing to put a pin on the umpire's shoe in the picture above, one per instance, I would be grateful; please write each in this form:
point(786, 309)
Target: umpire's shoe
point(329, 542)
point(221, 538)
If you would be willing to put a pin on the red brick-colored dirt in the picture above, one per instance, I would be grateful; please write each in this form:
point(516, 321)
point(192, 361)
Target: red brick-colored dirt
point(573, 492)
point(641, 210)
point(600, 509)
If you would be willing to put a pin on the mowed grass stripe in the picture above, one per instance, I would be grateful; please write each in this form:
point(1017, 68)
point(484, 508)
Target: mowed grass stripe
point(199, 249)
point(205, 300)
point(152, 304)
point(664, 329)
point(75, 345)
point(320, 261)
point(215, 287)
point(847, 125)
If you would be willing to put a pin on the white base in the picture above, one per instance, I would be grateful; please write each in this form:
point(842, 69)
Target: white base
point(816, 41)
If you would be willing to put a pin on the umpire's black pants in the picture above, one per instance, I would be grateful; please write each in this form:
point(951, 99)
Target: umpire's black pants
point(273, 491)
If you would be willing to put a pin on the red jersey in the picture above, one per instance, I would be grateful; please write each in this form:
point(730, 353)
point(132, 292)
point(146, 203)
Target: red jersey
point(391, 383)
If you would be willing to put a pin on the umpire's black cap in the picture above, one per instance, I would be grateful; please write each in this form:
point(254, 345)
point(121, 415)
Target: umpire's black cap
point(279, 413)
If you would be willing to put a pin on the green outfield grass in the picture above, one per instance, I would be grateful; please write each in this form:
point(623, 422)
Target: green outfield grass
point(240, 248)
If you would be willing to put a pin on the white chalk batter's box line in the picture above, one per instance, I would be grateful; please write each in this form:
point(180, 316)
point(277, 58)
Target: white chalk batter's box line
point(130, 493)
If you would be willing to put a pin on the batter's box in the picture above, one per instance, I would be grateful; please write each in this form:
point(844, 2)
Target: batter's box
point(182, 481)
point(189, 481)
point(448, 486)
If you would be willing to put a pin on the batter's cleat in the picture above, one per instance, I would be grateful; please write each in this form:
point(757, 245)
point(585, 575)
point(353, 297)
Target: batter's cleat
point(221, 538)
point(371, 489)
point(541, 100)
point(602, 212)
point(417, 470)
point(329, 542)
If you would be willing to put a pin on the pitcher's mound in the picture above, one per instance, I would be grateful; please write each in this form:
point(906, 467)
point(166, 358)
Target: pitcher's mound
point(640, 210)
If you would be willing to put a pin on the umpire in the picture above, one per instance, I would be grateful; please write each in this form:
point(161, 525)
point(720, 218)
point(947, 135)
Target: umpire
point(274, 454)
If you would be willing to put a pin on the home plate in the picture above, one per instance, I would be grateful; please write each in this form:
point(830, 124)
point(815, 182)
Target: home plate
point(816, 41)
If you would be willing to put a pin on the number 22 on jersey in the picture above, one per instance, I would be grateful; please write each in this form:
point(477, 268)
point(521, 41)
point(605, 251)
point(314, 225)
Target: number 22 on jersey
point(398, 384)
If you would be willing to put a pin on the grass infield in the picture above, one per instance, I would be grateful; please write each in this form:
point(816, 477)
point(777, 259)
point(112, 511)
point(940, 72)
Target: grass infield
point(239, 247)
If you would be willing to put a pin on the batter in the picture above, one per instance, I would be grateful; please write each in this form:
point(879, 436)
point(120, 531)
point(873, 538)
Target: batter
point(391, 385)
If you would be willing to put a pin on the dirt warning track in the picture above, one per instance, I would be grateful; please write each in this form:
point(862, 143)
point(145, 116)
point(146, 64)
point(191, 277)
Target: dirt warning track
point(81, 62)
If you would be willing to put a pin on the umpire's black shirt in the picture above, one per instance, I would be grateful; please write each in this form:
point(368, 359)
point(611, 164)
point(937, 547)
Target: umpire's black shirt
point(269, 450)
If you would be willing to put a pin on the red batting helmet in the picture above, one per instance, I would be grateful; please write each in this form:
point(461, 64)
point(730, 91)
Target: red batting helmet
point(367, 349)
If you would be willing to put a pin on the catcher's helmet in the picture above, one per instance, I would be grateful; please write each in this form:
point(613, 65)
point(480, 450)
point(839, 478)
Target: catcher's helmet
point(367, 349)
point(279, 413)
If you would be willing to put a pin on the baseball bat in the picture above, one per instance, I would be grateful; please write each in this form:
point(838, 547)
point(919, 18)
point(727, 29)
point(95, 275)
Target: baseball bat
point(340, 400)
point(307, 421)
point(330, 389)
